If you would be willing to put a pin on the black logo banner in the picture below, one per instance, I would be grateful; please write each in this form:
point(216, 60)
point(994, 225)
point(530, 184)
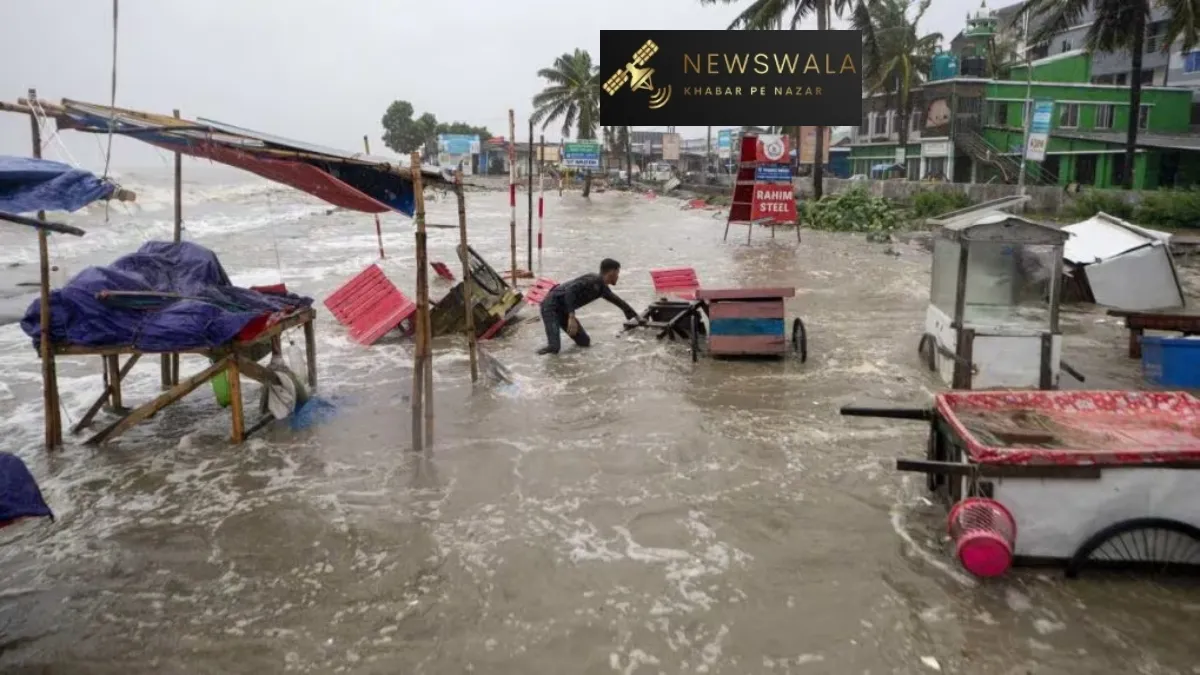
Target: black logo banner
point(724, 77)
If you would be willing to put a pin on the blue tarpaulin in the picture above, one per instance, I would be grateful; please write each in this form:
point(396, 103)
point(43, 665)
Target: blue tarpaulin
point(20, 496)
point(164, 297)
point(28, 185)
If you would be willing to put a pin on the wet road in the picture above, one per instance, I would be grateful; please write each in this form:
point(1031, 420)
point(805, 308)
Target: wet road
point(617, 510)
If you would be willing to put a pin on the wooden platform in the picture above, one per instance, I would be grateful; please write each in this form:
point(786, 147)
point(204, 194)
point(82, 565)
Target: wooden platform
point(1183, 320)
point(234, 359)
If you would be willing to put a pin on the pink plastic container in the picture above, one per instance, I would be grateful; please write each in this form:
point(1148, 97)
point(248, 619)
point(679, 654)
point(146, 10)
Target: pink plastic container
point(984, 533)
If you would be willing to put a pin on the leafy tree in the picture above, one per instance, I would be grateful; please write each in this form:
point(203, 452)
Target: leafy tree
point(400, 131)
point(403, 134)
point(1120, 25)
point(465, 129)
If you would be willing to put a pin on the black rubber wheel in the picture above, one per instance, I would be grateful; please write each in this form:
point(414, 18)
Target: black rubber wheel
point(800, 339)
point(695, 337)
point(1145, 545)
point(927, 348)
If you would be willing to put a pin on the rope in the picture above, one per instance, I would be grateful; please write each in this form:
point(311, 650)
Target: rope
point(39, 113)
point(112, 119)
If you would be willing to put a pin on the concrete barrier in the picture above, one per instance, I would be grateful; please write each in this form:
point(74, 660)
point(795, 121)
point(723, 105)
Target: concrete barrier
point(1042, 199)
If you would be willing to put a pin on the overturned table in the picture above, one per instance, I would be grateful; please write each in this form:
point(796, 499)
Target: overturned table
point(1183, 320)
point(235, 358)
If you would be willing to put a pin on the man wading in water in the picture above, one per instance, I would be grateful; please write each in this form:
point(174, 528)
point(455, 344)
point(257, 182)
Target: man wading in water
point(559, 305)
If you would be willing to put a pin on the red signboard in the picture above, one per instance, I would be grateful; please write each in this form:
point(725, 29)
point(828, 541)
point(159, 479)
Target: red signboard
point(773, 148)
point(777, 202)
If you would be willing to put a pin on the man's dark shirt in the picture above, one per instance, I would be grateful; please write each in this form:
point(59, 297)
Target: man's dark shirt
point(580, 291)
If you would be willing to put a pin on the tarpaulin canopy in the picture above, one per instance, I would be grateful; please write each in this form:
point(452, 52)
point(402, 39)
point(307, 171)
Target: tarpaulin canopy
point(28, 185)
point(351, 180)
point(20, 496)
point(164, 297)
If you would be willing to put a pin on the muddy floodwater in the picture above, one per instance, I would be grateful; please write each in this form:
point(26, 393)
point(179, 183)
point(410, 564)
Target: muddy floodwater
point(615, 510)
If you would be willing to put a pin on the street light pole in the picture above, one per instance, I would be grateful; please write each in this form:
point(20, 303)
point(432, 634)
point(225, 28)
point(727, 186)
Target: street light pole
point(1027, 113)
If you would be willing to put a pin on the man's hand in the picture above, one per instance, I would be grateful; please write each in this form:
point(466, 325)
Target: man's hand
point(572, 325)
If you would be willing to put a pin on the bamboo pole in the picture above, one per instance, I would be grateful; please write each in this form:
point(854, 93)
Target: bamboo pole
point(512, 191)
point(378, 228)
point(53, 420)
point(422, 401)
point(466, 261)
point(170, 362)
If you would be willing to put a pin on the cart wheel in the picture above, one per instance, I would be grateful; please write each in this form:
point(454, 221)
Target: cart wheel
point(1156, 545)
point(695, 337)
point(927, 348)
point(800, 339)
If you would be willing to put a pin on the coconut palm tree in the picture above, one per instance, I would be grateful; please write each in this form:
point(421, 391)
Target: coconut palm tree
point(1120, 25)
point(1001, 53)
point(895, 59)
point(573, 96)
point(770, 15)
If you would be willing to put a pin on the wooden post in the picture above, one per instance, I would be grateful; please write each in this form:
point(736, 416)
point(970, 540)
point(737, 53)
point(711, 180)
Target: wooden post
point(53, 418)
point(529, 190)
point(234, 375)
point(310, 352)
point(512, 191)
point(466, 261)
point(541, 192)
point(378, 229)
point(113, 371)
point(422, 398)
point(170, 362)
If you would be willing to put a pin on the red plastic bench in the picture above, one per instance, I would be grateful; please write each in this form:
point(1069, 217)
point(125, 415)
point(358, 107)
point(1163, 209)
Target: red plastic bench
point(370, 305)
point(681, 282)
point(537, 293)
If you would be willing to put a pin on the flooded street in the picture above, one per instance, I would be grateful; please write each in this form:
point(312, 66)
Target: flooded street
point(616, 510)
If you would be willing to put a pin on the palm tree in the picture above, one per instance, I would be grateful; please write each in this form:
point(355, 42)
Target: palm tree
point(615, 140)
point(770, 15)
point(573, 95)
point(1001, 53)
point(1120, 25)
point(895, 60)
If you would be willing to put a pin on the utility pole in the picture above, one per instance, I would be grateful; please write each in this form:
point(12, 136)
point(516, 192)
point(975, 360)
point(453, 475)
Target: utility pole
point(707, 153)
point(1027, 113)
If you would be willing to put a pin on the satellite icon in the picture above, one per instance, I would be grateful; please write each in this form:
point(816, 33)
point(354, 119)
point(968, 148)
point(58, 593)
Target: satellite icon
point(639, 76)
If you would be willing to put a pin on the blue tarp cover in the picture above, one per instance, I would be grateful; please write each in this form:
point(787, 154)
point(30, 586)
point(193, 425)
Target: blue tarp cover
point(20, 496)
point(211, 312)
point(28, 185)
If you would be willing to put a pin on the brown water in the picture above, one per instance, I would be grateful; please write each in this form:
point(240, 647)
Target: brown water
point(617, 510)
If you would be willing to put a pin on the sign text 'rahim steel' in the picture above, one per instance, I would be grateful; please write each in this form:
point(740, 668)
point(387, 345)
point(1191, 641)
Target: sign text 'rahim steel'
point(718, 77)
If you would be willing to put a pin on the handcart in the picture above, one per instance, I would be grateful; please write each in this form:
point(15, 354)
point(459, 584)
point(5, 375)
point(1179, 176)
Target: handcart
point(740, 322)
point(993, 315)
point(1083, 479)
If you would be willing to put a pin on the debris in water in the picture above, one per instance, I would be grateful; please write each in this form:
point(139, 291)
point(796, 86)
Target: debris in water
point(931, 662)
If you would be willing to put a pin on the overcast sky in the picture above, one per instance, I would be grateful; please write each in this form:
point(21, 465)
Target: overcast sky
point(322, 71)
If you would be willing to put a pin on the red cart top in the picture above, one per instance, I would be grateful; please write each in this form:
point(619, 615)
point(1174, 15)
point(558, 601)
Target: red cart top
point(1075, 427)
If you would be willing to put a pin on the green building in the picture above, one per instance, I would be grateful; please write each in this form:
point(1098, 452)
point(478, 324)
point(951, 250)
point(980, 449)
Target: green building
point(971, 129)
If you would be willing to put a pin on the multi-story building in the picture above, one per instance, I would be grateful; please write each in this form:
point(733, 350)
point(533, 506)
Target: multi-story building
point(971, 129)
point(1160, 67)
